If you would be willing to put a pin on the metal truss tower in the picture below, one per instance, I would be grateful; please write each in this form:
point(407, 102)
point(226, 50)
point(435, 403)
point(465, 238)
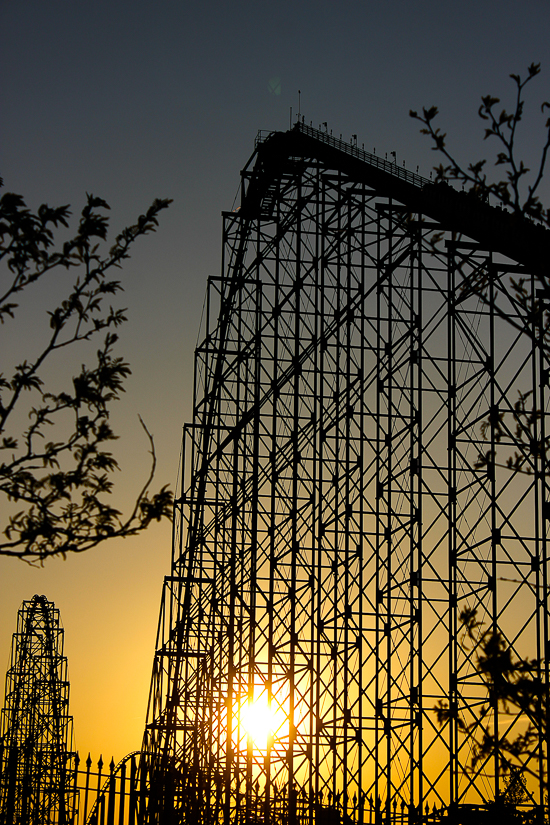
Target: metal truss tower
point(36, 759)
point(346, 497)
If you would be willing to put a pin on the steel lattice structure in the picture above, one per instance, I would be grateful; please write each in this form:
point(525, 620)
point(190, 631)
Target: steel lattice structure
point(36, 755)
point(345, 497)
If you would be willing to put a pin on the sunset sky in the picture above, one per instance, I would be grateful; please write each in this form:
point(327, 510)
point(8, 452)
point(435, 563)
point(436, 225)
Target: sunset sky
point(136, 100)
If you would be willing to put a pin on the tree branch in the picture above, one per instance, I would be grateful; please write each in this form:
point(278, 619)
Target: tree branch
point(63, 483)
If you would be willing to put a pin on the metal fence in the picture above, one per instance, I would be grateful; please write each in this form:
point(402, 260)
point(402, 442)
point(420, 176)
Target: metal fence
point(120, 794)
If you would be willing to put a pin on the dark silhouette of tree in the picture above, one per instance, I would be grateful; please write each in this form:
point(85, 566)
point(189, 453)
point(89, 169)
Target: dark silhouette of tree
point(514, 191)
point(55, 465)
point(516, 788)
point(513, 686)
point(519, 196)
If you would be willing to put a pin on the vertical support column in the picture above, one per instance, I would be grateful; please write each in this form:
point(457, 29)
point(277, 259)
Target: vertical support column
point(541, 374)
point(416, 567)
point(451, 607)
point(543, 579)
point(494, 414)
point(384, 510)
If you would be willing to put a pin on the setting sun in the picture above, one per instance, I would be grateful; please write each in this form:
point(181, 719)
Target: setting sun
point(260, 720)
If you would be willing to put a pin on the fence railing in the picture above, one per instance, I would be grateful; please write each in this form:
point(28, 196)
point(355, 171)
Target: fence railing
point(134, 792)
point(351, 148)
point(114, 796)
point(121, 796)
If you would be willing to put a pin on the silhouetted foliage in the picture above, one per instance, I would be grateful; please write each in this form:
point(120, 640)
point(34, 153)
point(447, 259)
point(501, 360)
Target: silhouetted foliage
point(59, 479)
point(502, 126)
point(516, 788)
point(514, 687)
point(518, 195)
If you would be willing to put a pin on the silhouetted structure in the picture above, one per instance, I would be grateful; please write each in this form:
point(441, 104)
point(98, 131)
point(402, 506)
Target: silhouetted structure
point(36, 759)
point(346, 495)
point(341, 503)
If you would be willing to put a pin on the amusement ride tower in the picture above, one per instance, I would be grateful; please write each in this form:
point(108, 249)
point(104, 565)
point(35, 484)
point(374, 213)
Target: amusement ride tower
point(365, 469)
point(36, 757)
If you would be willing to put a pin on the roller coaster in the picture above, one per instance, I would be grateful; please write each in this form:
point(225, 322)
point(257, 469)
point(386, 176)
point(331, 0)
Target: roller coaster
point(364, 504)
point(36, 757)
point(347, 497)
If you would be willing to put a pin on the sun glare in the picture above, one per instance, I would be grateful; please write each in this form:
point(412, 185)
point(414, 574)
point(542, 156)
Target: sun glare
point(260, 721)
